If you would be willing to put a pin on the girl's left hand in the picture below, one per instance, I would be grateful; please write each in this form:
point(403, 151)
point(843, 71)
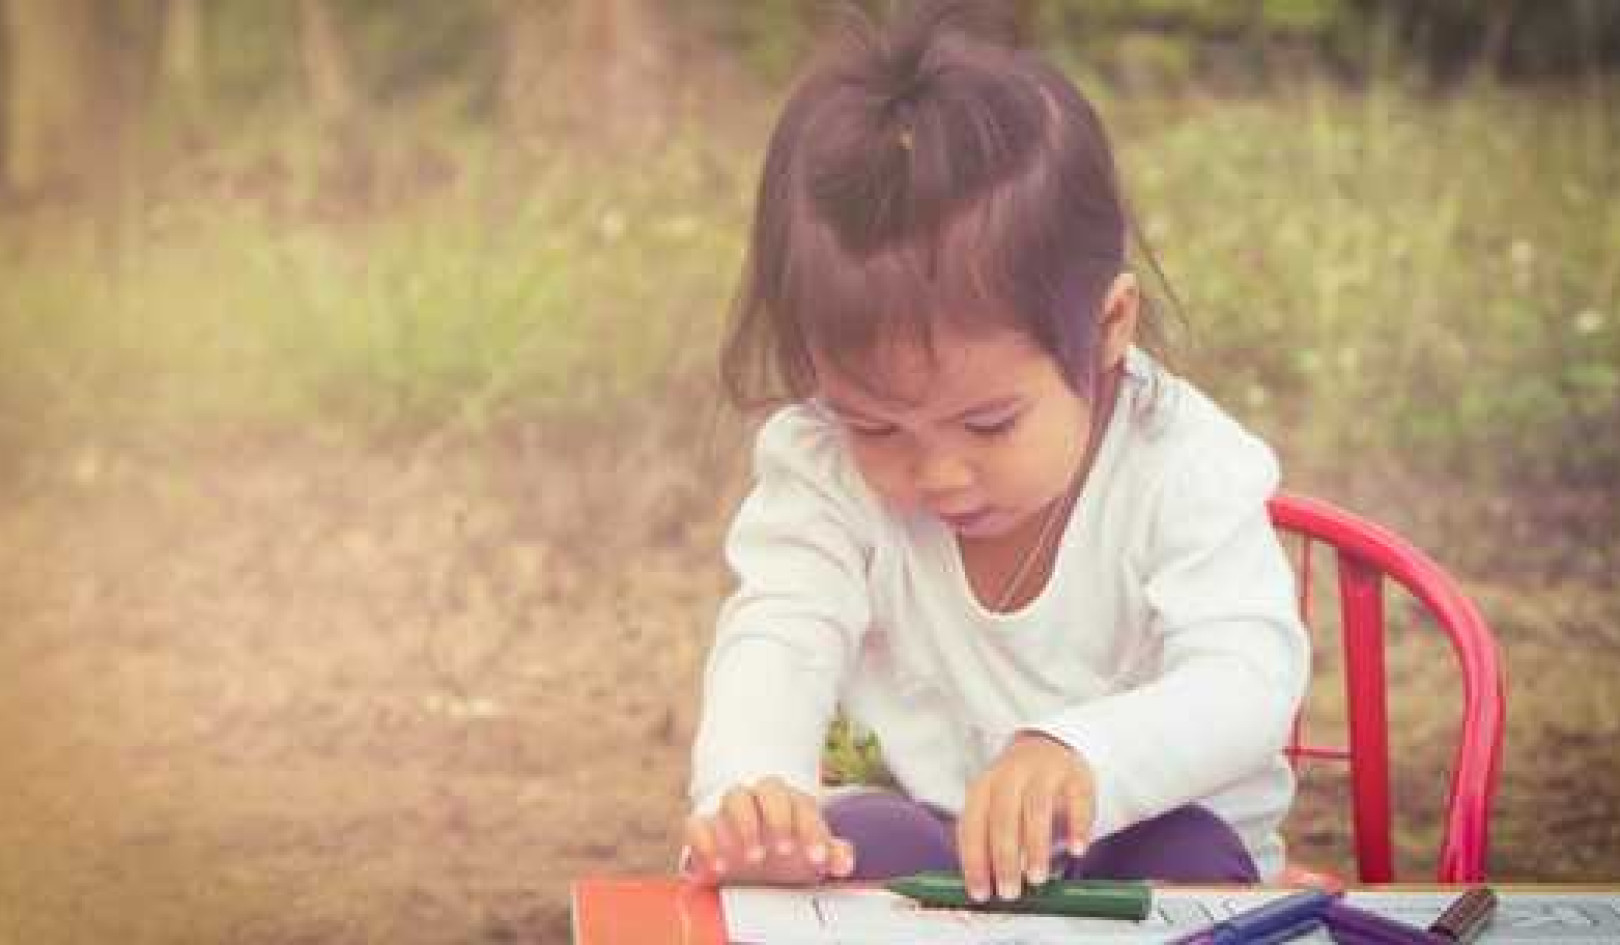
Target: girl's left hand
point(1005, 832)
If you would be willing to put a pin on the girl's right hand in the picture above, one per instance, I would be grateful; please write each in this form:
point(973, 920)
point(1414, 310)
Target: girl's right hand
point(767, 832)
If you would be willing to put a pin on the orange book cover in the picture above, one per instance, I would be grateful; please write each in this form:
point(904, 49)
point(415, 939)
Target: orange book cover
point(645, 911)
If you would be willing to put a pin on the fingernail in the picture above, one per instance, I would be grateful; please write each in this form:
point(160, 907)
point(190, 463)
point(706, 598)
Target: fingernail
point(756, 854)
point(817, 853)
point(784, 847)
point(1037, 876)
point(978, 893)
point(719, 865)
point(1008, 891)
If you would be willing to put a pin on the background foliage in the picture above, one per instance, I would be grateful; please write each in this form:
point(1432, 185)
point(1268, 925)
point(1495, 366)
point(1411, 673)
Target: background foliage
point(409, 223)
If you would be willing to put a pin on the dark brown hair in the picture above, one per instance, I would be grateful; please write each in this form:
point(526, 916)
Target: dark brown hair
point(925, 173)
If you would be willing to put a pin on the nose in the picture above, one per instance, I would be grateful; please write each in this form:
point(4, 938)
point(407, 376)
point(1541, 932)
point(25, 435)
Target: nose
point(939, 474)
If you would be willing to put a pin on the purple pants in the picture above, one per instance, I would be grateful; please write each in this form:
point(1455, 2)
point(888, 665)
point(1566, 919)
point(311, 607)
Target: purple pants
point(896, 836)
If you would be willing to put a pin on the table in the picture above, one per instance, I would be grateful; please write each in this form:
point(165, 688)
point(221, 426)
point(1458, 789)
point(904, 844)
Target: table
point(611, 910)
point(645, 911)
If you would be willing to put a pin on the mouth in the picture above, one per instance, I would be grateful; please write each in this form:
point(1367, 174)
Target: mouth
point(969, 523)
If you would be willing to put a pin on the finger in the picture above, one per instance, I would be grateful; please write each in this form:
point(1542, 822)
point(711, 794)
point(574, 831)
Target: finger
point(811, 829)
point(971, 846)
point(741, 812)
point(1037, 832)
point(1005, 836)
point(841, 858)
point(775, 801)
point(704, 863)
point(1077, 807)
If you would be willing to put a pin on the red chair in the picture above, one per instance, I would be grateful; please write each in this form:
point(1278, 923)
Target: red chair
point(1366, 554)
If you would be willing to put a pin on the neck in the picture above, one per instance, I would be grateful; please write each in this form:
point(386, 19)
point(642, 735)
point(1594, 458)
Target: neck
point(1033, 547)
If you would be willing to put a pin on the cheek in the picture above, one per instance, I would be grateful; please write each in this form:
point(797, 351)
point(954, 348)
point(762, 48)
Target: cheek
point(1048, 457)
point(884, 470)
point(1018, 471)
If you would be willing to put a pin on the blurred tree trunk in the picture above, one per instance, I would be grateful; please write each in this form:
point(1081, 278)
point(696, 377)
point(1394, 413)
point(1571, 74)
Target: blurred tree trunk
point(618, 65)
point(348, 178)
point(606, 61)
point(530, 44)
point(609, 53)
point(77, 86)
point(328, 74)
point(54, 96)
point(1490, 62)
point(181, 63)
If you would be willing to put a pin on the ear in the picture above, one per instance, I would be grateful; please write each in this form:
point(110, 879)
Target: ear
point(1117, 320)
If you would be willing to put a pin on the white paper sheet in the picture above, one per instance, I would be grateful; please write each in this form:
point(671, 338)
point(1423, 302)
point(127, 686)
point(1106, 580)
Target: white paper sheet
point(865, 916)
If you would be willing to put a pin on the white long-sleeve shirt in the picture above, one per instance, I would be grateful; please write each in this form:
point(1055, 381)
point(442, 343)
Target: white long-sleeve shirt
point(1166, 647)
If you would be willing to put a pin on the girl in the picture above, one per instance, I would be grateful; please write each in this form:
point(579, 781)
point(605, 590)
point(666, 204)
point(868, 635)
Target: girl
point(996, 533)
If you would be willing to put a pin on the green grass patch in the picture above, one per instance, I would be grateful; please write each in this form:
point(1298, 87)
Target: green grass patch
point(1379, 275)
point(578, 286)
point(1369, 274)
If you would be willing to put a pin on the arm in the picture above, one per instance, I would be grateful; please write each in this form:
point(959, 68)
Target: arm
point(1220, 594)
point(1235, 656)
point(799, 547)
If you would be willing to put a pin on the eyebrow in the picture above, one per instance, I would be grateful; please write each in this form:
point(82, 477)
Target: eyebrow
point(987, 406)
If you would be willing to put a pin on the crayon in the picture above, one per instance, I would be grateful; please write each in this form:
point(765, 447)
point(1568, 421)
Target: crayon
point(1098, 899)
point(1277, 917)
point(1467, 916)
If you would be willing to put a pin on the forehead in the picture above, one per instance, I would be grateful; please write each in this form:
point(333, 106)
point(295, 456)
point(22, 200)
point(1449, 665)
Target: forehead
point(954, 372)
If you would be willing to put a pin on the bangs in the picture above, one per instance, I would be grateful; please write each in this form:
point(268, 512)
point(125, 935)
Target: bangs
point(855, 311)
point(1000, 263)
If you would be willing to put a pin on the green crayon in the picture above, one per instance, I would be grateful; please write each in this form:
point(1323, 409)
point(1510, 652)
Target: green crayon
point(1091, 898)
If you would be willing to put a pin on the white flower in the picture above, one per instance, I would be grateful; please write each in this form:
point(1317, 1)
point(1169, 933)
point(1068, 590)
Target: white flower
point(1588, 322)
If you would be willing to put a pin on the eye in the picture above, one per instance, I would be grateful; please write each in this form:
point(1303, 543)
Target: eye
point(871, 431)
point(993, 427)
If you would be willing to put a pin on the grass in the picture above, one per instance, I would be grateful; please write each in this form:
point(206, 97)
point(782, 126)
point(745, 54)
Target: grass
point(1400, 278)
point(1363, 274)
point(558, 294)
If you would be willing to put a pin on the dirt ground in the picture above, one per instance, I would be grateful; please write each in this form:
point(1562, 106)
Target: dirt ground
point(272, 690)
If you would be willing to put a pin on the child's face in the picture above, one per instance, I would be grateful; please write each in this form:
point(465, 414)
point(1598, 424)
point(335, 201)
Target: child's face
point(985, 436)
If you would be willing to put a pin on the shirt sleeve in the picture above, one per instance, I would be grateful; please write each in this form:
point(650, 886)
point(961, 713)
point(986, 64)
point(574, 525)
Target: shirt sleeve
point(799, 547)
point(1220, 595)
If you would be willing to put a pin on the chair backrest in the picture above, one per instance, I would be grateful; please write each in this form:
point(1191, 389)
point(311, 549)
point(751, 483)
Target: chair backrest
point(1366, 554)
